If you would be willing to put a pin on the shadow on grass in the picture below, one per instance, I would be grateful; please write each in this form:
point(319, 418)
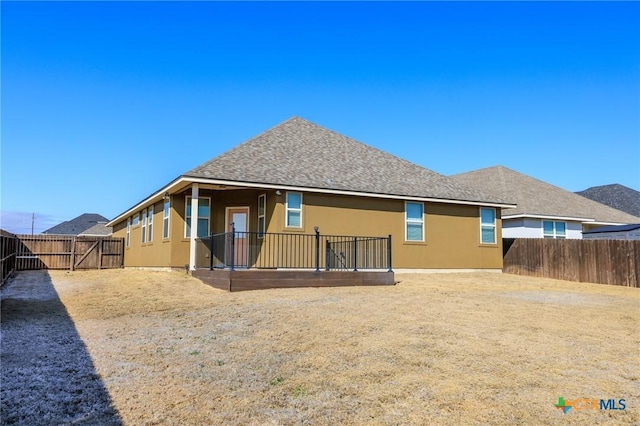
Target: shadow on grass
point(47, 374)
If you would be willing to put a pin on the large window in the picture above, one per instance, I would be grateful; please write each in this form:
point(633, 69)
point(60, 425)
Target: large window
point(150, 224)
point(204, 205)
point(487, 226)
point(262, 206)
point(143, 230)
point(414, 221)
point(294, 210)
point(165, 219)
point(128, 239)
point(554, 229)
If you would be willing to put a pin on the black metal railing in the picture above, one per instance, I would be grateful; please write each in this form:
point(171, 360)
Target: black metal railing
point(293, 251)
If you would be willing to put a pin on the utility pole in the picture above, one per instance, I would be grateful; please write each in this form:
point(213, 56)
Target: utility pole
point(33, 220)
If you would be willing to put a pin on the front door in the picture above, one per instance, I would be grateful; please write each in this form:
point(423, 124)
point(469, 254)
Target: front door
point(239, 217)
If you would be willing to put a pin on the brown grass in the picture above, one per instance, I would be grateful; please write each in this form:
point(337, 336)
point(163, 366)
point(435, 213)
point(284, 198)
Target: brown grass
point(434, 349)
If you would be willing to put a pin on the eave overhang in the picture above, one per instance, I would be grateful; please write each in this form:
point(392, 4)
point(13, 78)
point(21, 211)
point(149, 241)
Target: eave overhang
point(182, 182)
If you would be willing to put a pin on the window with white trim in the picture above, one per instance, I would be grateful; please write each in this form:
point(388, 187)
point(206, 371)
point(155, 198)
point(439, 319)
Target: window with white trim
point(414, 221)
point(293, 210)
point(487, 225)
point(204, 204)
point(165, 219)
point(128, 239)
point(554, 229)
point(135, 220)
point(143, 230)
point(150, 224)
point(262, 207)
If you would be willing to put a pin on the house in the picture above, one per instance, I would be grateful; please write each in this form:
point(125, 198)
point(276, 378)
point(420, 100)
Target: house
point(615, 195)
point(297, 177)
point(86, 224)
point(544, 210)
point(619, 232)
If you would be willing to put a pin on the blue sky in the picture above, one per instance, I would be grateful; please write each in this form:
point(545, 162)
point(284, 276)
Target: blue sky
point(105, 102)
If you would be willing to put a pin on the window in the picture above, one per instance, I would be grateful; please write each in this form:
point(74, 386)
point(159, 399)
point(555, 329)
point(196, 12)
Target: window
point(165, 219)
point(414, 221)
point(150, 224)
point(487, 226)
point(128, 239)
point(294, 210)
point(553, 229)
point(262, 205)
point(203, 217)
point(144, 225)
point(136, 219)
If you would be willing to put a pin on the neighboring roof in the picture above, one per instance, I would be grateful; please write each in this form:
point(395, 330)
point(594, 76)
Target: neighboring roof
point(300, 153)
point(538, 198)
point(615, 195)
point(614, 228)
point(76, 225)
point(100, 229)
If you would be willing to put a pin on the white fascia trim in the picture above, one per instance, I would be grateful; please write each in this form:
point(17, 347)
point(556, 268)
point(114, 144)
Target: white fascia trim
point(183, 179)
point(153, 197)
point(541, 216)
point(344, 192)
point(598, 222)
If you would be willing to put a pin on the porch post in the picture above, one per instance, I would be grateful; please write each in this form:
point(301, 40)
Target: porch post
point(194, 226)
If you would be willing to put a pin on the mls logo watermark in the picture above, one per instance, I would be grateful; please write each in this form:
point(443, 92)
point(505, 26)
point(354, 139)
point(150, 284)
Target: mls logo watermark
point(586, 404)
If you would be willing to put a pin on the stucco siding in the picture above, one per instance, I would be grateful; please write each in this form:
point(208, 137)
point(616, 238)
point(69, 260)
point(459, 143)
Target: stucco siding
point(451, 231)
point(532, 228)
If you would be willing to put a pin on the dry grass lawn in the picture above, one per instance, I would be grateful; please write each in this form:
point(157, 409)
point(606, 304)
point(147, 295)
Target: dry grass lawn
point(434, 349)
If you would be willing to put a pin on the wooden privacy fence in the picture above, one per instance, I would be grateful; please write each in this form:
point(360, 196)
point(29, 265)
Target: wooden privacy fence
point(615, 262)
point(8, 244)
point(68, 252)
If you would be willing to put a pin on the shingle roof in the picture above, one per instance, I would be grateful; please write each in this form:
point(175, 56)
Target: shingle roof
point(76, 225)
point(303, 154)
point(615, 195)
point(538, 198)
point(100, 229)
point(614, 228)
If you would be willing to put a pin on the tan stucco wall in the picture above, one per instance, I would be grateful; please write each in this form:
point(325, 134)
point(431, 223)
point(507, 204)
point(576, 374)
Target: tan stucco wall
point(156, 253)
point(452, 232)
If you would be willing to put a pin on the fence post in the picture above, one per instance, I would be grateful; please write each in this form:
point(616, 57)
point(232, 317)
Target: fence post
point(355, 254)
point(72, 257)
point(328, 255)
point(100, 248)
point(233, 245)
point(211, 253)
point(389, 253)
point(315, 228)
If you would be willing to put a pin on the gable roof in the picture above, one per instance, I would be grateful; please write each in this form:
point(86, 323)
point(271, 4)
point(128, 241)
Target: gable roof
point(76, 225)
point(615, 195)
point(302, 154)
point(540, 199)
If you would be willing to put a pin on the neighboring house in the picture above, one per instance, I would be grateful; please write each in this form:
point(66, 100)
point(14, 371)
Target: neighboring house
point(81, 225)
point(615, 195)
point(544, 210)
point(620, 232)
point(298, 176)
point(100, 229)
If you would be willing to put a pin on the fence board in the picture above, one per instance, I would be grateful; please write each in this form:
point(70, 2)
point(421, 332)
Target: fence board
point(8, 245)
point(614, 262)
point(68, 252)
